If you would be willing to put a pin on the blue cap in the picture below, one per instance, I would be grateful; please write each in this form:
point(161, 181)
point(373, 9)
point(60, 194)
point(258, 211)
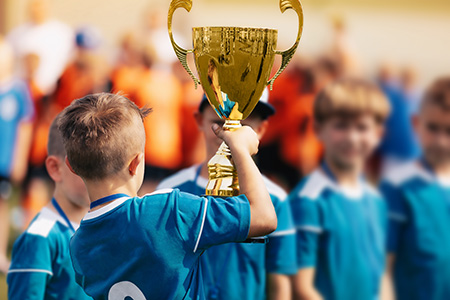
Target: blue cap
point(88, 37)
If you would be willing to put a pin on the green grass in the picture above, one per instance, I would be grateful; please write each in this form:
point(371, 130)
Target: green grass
point(3, 289)
point(12, 237)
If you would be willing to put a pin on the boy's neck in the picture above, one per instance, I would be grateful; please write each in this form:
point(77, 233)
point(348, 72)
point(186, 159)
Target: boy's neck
point(440, 169)
point(348, 177)
point(101, 189)
point(204, 169)
point(74, 212)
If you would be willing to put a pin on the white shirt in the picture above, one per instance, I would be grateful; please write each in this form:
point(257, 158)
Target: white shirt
point(52, 41)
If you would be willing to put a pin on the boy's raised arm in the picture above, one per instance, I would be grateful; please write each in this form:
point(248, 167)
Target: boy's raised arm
point(243, 144)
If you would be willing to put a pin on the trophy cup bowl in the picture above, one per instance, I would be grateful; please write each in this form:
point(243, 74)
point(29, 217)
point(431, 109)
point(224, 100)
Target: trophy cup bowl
point(234, 65)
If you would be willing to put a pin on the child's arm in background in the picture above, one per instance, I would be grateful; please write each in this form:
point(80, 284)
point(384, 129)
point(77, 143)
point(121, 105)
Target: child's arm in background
point(22, 149)
point(279, 287)
point(243, 144)
point(303, 283)
point(387, 284)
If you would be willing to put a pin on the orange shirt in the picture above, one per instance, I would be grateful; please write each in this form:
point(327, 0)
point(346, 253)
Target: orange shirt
point(163, 93)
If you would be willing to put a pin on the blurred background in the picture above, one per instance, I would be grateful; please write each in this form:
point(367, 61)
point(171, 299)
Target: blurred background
point(63, 50)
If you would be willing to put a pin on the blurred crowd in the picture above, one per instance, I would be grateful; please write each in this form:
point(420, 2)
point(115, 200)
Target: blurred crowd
point(49, 64)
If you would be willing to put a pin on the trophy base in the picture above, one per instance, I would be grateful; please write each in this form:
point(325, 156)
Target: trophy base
point(223, 179)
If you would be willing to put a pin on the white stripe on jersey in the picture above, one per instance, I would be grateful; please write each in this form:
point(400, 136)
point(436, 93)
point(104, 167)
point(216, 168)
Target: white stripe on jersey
point(282, 233)
point(30, 271)
point(397, 217)
point(201, 227)
point(96, 213)
point(313, 229)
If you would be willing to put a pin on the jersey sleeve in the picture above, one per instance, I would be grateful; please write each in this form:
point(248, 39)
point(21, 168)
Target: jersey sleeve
point(207, 221)
point(397, 214)
point(281, 249)
point(31, 268)
point(309, 227)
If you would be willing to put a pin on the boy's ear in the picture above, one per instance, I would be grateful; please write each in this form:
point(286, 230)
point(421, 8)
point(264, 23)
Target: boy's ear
point(134, 164)
point(53, 164)
point(317, 128)
point(262, 128)
point(198, 119)
point(69, 166)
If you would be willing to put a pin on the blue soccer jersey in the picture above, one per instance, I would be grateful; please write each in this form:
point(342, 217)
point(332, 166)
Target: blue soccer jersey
point(238, 270)
point(419, 232)
point(340, 233)
point(149, 247)
point(15, 107)
point(41, 267)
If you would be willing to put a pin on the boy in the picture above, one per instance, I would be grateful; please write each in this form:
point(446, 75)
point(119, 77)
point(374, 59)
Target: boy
point(16, 116)
point(220, 264)
point(149, 247)
point(340, 219)
point(41, 266)
point(418, 198)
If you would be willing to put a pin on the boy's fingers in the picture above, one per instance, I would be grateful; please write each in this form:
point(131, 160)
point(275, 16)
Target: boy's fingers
point(216, 129)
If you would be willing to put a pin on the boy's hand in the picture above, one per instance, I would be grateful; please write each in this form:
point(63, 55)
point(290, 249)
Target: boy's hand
point(243, 138)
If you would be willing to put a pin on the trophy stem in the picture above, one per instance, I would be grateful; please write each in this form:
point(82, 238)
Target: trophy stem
point(223, 179)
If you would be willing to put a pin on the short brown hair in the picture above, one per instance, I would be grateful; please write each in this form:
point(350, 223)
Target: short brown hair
point(100, 134)
point(55, 145)
point(438, 94)
point(350, 98)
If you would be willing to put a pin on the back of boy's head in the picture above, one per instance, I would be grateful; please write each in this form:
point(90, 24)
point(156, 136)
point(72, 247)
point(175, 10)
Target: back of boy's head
point(438, 94)
point(351, 98)
point(55, 145)
point(101, 133)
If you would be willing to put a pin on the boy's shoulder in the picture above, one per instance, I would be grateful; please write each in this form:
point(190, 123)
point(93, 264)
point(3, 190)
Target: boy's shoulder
point(180, 178)
point(277, 193)
point(312, 187)
point(407, 174)
point(317, 186)
point(46, 224)
point(44, 238)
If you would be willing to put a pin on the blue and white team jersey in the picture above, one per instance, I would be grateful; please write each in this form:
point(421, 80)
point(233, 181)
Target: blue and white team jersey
point(149, 247)
point(419, 232)
point(15, 107)
point(340, 233)
point(238, 270)
point(41, 267)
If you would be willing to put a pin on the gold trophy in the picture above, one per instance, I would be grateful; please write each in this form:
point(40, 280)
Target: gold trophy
point(234, 65)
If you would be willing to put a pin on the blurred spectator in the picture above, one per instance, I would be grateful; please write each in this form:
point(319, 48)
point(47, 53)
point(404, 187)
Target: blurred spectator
point(129, 67)
point(88, 73)
point(399, 143)
point(343, 49)
point(155, 33)
point(192, 141)
point(50, 40)
point(160, 90)
point(410, 89)
point(16, 114)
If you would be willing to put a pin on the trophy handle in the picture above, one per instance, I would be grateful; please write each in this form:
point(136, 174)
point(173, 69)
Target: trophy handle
point(179, 51)
point(289, 53)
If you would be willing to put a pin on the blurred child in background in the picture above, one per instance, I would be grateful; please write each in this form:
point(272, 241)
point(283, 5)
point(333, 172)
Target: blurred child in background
point(239, 270)
point(41, 266)
point(418, 196)
point(50, 40)
point(340, 219)
point(16, 116)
